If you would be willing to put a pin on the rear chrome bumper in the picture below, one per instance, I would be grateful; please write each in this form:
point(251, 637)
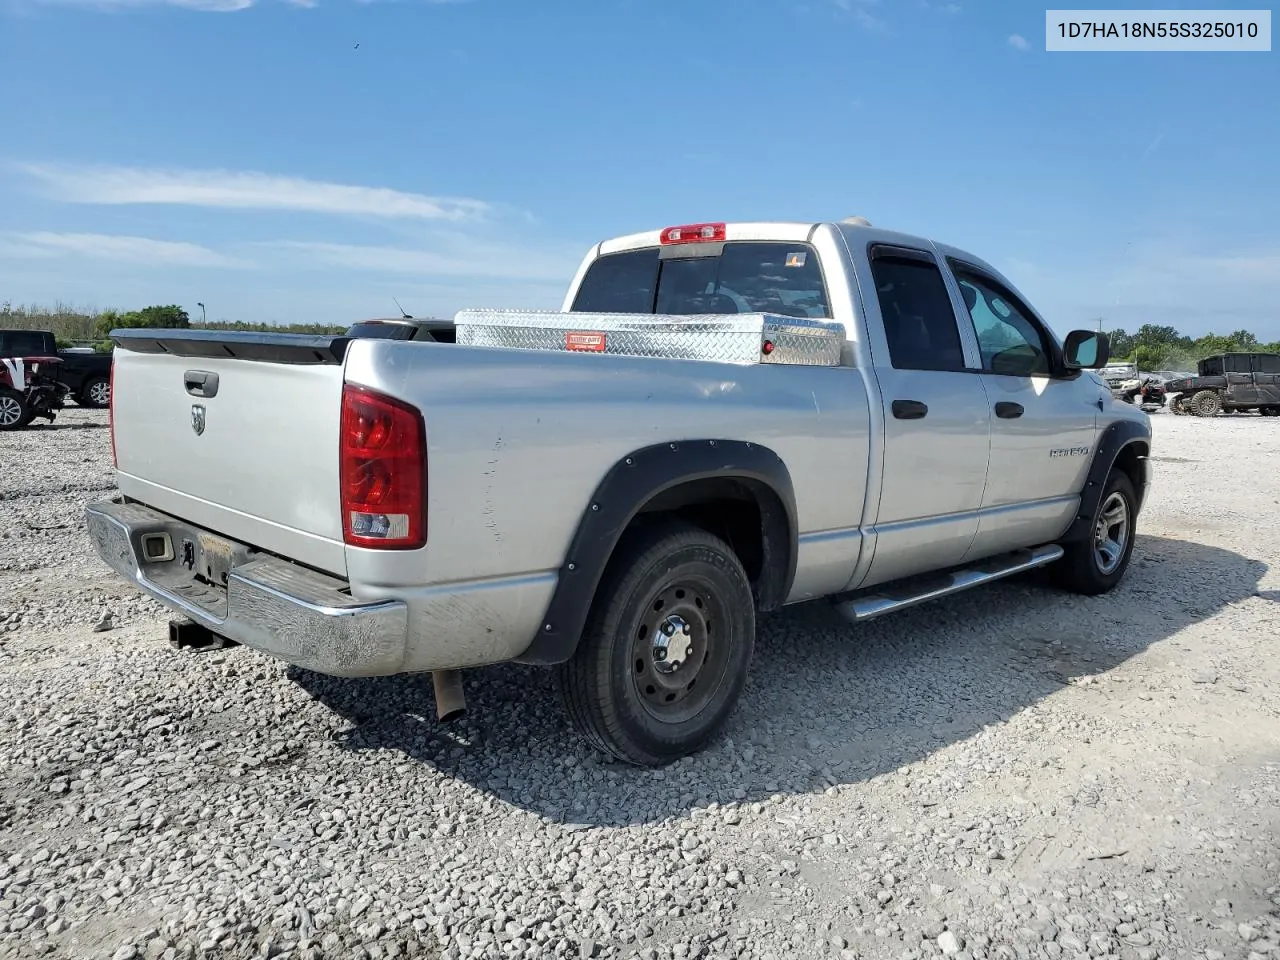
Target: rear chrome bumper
point(279, 608)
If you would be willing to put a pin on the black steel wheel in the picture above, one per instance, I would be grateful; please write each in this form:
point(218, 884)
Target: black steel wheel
point(665, 652)
point(675, 646)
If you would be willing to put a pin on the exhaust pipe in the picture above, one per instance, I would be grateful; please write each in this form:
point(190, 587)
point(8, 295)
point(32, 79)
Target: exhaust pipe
point(450, 702)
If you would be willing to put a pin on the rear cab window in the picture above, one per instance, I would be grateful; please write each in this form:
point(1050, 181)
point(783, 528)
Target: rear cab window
point(739, 276)
point(23, 344)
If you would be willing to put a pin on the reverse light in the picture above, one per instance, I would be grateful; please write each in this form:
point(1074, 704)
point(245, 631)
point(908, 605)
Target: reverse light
point(693, 233)
point(383, 471)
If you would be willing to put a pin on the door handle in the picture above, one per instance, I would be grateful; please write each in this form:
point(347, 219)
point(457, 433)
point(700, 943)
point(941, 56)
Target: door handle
point(1008, 410)
point(200, 383)
point(909, 409)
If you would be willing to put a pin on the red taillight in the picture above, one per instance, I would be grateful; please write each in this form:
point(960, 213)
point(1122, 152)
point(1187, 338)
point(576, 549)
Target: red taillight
point(111, 411)
point(693, 233)
point(383, 472)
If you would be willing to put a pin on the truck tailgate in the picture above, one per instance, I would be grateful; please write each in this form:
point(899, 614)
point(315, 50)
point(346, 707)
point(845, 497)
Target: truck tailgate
point(235, 433)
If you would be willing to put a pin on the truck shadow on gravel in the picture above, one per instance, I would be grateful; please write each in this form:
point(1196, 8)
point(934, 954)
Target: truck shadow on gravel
point(827, 703)
point(55, 427)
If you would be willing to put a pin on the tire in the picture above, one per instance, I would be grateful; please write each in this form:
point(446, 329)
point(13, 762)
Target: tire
point(95, 393)
point(1082, 568)
point(1270, 411)
point(14, 412)
point(1206, 403)
point(622, 690)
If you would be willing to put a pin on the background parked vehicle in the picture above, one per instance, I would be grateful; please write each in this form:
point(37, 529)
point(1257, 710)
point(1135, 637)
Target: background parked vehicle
point(86, 374)
point(1147, 391)
point(1230, 382)
point(1117, 374)
point(29, 388)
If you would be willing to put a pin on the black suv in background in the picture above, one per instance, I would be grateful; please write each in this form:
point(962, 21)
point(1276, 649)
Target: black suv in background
point(1230, 381)
point(86, 375)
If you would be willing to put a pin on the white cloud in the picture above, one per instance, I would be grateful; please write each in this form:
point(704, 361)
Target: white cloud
point(861, 10)
point(1263, 269)
point(203, 6)
point(114, 247)
point(1019, 42)
point(466, 258)
point(1193, 284)
point(245, 190)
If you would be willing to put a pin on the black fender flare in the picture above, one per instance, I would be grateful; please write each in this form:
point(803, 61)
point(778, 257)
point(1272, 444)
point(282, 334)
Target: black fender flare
point(631, 484)
point(1115, 438)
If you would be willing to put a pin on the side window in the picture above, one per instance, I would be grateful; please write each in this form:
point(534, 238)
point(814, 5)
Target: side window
point(1211, 367)
point(1238, 363)
point(1266, 363)
point(918, 320)
point(1011, 342)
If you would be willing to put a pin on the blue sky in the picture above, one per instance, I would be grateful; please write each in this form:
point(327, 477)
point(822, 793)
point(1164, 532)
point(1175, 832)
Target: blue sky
point(250, 155)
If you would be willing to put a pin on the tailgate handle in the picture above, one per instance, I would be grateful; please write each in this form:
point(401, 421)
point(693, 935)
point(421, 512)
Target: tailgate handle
point(201, 383)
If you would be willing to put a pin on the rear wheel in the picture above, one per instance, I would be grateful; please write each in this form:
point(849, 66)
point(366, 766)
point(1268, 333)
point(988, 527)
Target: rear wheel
point(1097, 563)
point(664, 655)
point(95, 393)
point(1206, 403)
point(14, 412)
point(1270, 411)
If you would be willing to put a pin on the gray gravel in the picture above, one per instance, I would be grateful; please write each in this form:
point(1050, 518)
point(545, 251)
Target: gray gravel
point(1013, 773)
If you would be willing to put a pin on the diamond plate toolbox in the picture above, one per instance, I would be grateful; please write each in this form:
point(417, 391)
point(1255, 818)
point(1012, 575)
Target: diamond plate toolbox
point(733, 338)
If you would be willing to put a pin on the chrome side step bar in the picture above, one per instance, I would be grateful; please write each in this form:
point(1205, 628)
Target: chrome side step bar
point(907, 593)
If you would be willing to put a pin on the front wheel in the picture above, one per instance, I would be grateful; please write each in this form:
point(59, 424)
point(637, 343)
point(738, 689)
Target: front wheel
point(664, 655)
point(1097, 563)
point(14, 411)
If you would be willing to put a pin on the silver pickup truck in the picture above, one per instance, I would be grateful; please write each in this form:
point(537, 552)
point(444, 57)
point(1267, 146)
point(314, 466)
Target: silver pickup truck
point(723, 419)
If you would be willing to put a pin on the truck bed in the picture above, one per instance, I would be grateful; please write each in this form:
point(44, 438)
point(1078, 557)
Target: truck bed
point(505, 428)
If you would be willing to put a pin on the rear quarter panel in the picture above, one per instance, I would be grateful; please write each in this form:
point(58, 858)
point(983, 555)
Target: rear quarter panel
point(517, 442)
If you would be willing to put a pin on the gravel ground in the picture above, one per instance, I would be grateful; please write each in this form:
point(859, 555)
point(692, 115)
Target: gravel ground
point(1009, 773)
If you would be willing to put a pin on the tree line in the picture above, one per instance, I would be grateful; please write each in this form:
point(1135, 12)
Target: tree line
point(1152, 347)
point(72, 327)
point(1155, 347)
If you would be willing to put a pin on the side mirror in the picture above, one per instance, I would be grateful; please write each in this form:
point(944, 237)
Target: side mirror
point(1086, 350)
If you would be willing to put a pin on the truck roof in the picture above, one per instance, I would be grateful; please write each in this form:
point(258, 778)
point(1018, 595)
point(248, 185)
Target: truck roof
point(855, 229)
